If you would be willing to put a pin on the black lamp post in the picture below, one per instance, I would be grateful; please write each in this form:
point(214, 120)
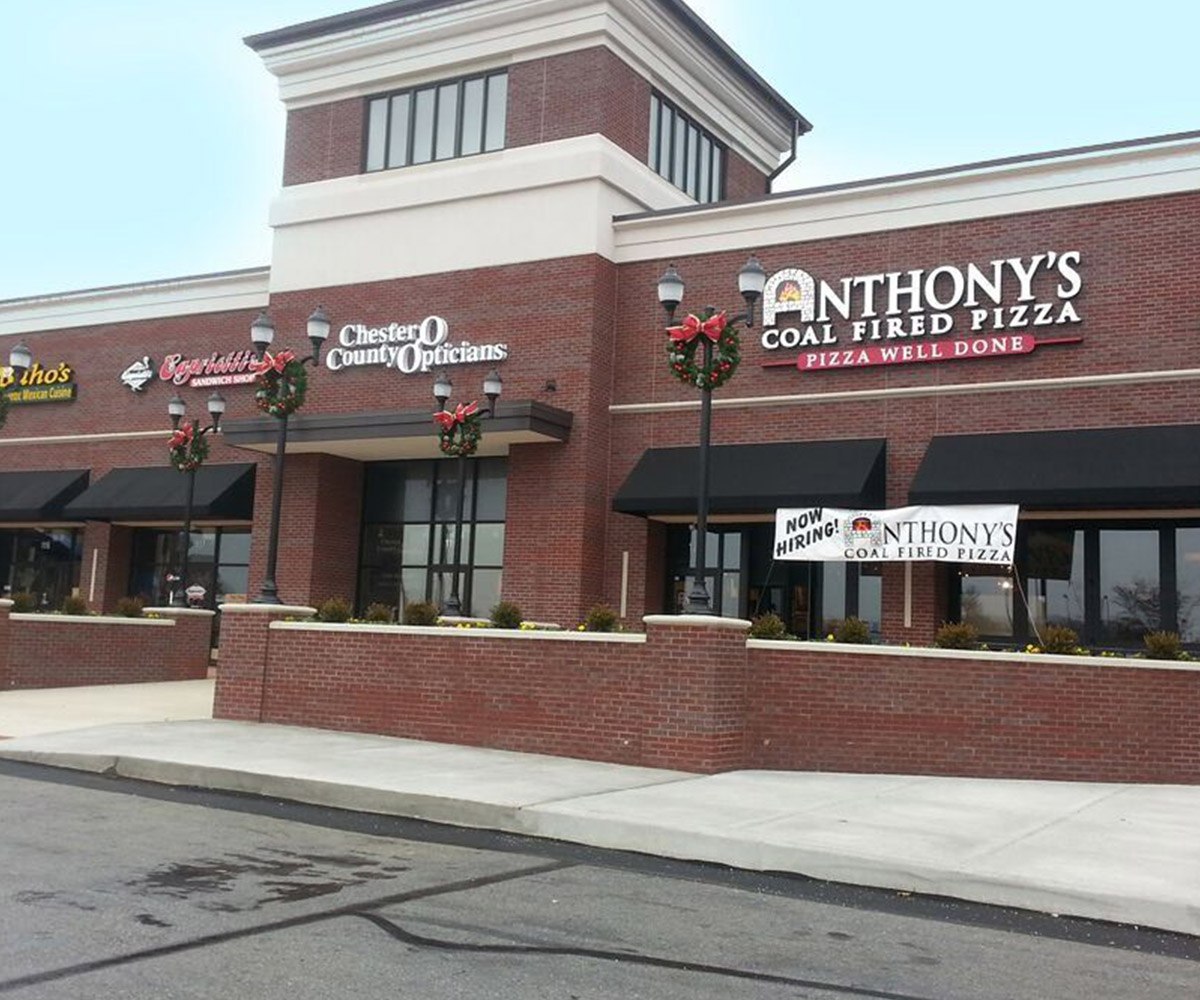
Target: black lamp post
point(176, 409)
point(19, 360)
point(751, 280)
point(262, 335)
point(442, 387)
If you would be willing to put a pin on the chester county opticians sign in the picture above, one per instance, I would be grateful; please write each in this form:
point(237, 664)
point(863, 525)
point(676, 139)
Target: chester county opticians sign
point(899, 317)
point(409, 348)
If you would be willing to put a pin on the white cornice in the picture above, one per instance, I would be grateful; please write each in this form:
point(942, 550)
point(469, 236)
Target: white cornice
point(541, 202)
point(487, 34)
point(127, 303)
point(1172, 167)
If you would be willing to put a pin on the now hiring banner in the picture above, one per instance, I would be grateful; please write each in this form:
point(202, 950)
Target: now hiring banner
point(970, 533)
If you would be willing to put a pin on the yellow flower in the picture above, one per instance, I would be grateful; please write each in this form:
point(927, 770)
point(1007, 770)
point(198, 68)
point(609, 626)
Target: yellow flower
point(580, 628)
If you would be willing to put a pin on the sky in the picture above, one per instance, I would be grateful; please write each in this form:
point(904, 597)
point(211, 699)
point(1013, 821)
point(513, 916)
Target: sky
point(143, 139)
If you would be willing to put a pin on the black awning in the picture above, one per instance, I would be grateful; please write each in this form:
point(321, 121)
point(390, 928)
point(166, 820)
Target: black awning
point(757, 478)
point(1062, 470)
point(39, 496)
point(160, 494)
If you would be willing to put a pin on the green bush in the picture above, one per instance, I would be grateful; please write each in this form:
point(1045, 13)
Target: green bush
point(506, 614)
point(601, 618)
point(957, 635)
point(1163, 645)
point(336, 609)
point(420, 613)
point(24, 603)
point(378, 613)
point(74, 605)
point(768, 626)
point(130, 607)
point(1060, 639)
point(852, 630)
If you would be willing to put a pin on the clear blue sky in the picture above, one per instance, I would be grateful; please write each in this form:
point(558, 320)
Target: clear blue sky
point(143, 140)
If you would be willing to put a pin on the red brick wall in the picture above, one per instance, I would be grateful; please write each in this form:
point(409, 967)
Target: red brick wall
point(696, 698)
point(827, 709)
point(54, 651)
point(323, 141)
point(5, 631)
point(741, 179)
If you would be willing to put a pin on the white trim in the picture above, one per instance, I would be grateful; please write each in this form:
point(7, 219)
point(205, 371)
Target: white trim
point(78, 438)
point(697, 621)
point(189, 296)
point(985, 655)
point(439, 632)
point(564, 193)
point(952, 389)
point(874, 207)
point(181, 612)
point(294, 610)
point(88, 619)
point(492, 34)
point(5, 603)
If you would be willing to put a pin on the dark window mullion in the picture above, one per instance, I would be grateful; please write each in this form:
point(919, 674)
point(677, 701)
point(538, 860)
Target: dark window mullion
point(1168, 581)
point(1091, 585)
point(458, 119)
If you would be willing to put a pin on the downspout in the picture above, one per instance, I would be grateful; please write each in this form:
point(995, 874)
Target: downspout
point(796, 133)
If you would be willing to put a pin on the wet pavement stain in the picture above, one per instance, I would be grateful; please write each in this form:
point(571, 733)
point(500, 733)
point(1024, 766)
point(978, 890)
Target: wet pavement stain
point(57, 898)
point(150, 920)
point(244, 882)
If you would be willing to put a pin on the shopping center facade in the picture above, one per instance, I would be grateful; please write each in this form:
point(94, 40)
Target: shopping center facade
point(488, 185)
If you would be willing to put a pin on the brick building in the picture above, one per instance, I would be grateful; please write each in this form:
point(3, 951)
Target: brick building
point(490, 185)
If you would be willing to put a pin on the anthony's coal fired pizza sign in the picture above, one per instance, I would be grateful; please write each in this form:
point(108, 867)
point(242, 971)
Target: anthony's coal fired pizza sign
point(950, 312)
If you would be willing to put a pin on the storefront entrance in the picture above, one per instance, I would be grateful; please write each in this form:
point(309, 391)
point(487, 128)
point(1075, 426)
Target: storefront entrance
point(44, 562)
point(745, 581)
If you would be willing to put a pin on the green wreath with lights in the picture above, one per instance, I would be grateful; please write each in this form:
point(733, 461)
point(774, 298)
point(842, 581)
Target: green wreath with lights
point(281, 384)
point(189, 450)
point(459, 430)
point(4, 405)
point(688, 337)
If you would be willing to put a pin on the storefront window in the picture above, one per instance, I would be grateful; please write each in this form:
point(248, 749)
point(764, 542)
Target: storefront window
point(1130, 595)
point(833, 596)
point(409, 516)
point(218, 561)
point(44, 563)
point(1055, 587)
point(987, 599)
point(870, 595)
point(1187, 582)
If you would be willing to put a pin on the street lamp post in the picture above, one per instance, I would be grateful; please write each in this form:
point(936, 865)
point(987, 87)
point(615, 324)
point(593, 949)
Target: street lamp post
point(176, 409)
point(442, 387)
point(272, 370)
point(19, 360)
point(751, 281)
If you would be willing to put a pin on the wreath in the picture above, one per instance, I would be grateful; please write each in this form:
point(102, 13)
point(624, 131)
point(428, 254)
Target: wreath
point(188, 449)
point(281, 384)
point(690, 335)
point(459, 431)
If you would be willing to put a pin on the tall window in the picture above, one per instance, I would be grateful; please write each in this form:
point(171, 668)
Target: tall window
point(218, 560)
point(440, 121)
point(1112, 582)
point(44, 562)
point(684, 153)
point(409, 515)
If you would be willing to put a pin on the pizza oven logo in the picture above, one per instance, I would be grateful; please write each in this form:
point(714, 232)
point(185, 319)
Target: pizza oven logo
point(790, 291)
point(861, 530)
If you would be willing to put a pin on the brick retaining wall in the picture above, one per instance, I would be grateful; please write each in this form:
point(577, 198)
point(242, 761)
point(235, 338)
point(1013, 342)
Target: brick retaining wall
point(43, 651)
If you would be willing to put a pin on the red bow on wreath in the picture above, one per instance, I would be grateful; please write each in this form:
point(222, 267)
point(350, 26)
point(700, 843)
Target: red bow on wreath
point(182, 437)
point(273, 362)
point(447, 420)
point(694, 327)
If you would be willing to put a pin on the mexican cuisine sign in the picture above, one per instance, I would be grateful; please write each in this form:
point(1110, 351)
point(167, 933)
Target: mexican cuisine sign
point(971, 533)
point(944, 313)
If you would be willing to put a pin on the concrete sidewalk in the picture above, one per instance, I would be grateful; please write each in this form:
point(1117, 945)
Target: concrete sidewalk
point(33, 711)
point(1114, 852)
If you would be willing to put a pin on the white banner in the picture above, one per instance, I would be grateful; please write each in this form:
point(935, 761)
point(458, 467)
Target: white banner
point(970, 533)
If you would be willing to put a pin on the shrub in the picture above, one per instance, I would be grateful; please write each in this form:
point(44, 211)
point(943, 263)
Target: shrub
point(336, 609)
point(601, 618)
point(852, 630)
point(768, 626)
point(506, 614)
point(130, 607)
point(957, 635)
point(1060, 639)
point(1163, 645)
point(378, 613)
point(420, 613)
point(74, 605)
point(24, 603)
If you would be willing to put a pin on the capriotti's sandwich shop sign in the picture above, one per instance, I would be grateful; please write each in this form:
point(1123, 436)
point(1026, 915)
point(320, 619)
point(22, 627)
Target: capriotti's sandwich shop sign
point(950, 312)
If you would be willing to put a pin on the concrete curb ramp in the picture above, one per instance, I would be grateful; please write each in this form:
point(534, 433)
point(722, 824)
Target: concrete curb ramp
point(1125, 853)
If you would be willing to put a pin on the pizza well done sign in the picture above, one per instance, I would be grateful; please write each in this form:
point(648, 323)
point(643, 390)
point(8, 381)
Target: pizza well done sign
point(970, 533)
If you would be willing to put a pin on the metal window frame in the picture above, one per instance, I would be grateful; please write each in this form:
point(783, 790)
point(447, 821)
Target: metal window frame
point(691, 185)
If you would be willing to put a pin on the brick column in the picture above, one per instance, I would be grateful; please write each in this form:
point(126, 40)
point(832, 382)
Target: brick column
point(191, 643)
point(5, 675)
point(107, 548)
point(695, 689)
point(245, 641)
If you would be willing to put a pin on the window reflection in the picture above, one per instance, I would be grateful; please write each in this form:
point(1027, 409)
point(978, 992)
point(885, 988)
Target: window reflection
point(987, 599)
point(1130, 596)
point(1187, 582)
point(1055, 567)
